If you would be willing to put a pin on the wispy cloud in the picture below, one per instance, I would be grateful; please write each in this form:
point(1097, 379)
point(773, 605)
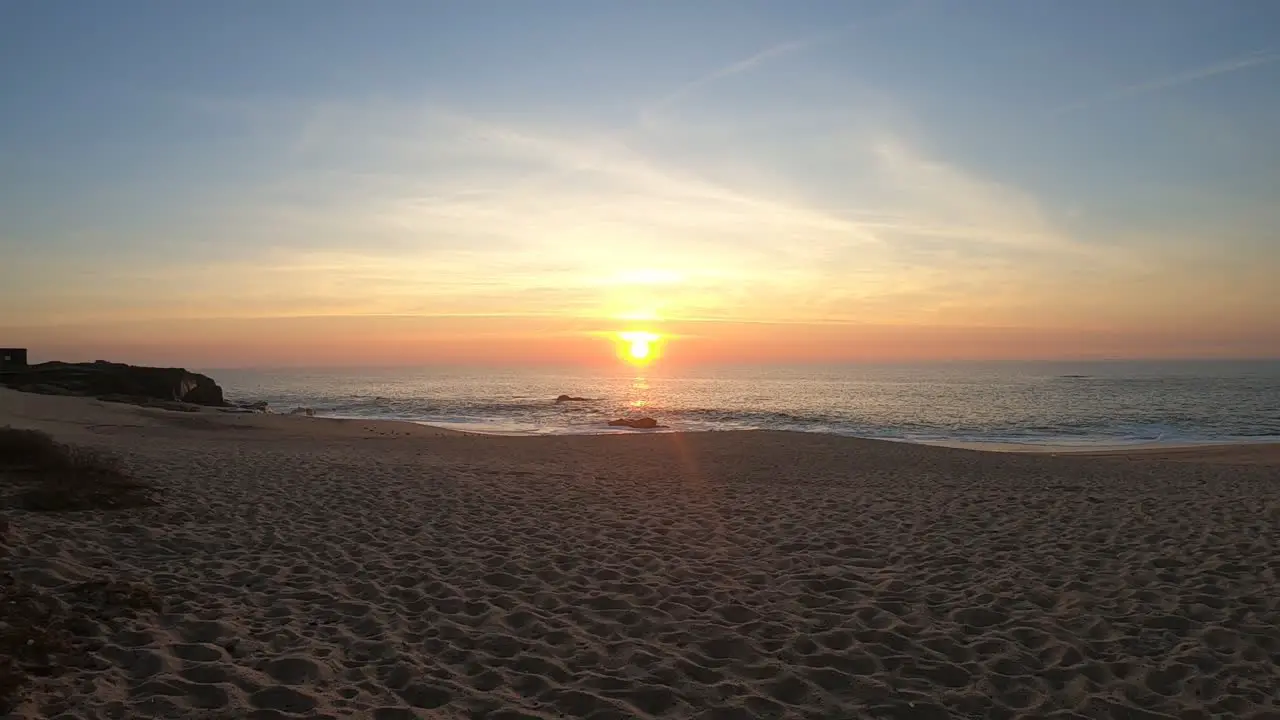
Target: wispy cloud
point(948, 202)
point(895, 11)
point(738, 67)
point(1152, 86)
point(581, 208)
point(411, 208)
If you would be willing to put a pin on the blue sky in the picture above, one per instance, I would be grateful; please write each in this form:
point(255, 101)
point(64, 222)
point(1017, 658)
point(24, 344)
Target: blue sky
point(1097, 167)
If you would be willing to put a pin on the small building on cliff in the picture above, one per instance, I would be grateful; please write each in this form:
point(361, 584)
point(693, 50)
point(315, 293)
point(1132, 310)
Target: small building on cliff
point(13, 359)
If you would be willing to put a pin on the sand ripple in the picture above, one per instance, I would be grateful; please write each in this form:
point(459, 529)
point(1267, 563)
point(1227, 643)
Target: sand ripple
point(717, 576)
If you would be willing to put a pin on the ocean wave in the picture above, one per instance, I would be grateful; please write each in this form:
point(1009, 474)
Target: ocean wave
point(1142, 405)
point(538, 416)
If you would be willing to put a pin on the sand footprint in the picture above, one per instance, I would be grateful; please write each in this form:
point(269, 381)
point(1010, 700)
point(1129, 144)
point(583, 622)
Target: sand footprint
point(283, 699)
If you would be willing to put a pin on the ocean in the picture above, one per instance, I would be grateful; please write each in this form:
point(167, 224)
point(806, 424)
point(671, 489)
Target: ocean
point(1085, 404)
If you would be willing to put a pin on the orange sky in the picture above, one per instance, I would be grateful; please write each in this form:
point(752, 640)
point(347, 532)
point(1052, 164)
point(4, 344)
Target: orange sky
point(509, 341)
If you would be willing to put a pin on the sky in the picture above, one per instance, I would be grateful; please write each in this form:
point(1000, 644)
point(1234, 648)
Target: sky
point(384, 183)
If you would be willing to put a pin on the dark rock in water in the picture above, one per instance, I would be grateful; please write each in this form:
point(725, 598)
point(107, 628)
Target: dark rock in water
point(636, 423)
point(571, 398)
point(100, 379)
point(259, 406)
point(309, 412)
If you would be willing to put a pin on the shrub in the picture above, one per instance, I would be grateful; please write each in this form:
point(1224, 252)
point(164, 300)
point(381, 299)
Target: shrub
point(28, 449)
point(40, 632)
point(66, 477)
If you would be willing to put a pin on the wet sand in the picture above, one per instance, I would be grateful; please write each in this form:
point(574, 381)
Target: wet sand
point(319, 568)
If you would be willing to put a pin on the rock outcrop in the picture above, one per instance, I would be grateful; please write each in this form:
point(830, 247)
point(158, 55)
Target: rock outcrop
point(117, 380)
point(646, 423)
point(571, 398)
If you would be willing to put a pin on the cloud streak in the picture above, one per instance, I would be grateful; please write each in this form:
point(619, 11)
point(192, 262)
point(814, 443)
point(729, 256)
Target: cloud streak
point(409, 208)
point(735, 68)
point(1224, 67)
point(738, 67)
point(578, 210)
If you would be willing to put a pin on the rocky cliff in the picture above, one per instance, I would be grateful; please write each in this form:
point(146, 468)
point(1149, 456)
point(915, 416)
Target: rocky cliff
point(116, 379)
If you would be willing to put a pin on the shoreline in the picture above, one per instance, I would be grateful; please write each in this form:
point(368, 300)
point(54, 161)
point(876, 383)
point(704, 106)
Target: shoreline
point(389, 427)
point(1081, 448)
point(1140, 447)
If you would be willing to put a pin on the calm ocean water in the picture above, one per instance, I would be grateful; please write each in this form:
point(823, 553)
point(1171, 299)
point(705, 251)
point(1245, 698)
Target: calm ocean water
point(1085, 403)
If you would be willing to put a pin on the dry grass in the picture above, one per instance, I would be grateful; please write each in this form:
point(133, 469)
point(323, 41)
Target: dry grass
point(113, 598)
point(43, 634)
point(57, 477)
point(27, 449)
point(33, 634)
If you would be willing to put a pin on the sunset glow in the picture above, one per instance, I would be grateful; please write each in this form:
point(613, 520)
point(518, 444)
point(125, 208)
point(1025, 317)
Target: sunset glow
point(637, 347)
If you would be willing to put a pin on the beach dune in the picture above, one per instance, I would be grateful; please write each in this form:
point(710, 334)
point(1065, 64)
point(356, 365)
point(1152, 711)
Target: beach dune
point(318, 568)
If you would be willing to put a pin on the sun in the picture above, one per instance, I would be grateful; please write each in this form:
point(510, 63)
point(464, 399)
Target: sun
point(637, 347)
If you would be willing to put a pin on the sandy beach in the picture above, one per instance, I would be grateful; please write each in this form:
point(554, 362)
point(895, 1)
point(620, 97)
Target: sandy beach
point(318, 568)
